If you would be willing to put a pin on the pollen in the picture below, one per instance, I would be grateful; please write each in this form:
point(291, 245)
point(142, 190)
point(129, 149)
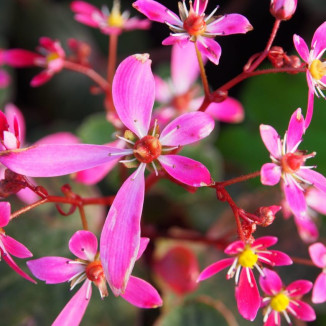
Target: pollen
point(280, 302)
point(52, 56)
point(248, 258)
point(317, 69)
point(147, 149)
point(115, 19)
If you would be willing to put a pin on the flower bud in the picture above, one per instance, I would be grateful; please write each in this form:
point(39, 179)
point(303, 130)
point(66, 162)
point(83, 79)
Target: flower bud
point(283, 9)
point(267, 214)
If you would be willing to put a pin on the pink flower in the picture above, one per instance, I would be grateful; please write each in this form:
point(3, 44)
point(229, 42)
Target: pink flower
point(180, 95)
point(51, 58)
point(246, 257)
point(4, 78)
point(87, 268)
point(316, 69)
point(288, 163)
point(283, 9)
point(108, 22)
point(282, 300)
point(317, 253)
point(193, 25)
point(10, 246)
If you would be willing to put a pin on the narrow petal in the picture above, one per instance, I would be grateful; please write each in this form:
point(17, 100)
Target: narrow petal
point(295, 198)
point(186, 170)
point(133, 91)
point(181, 40)
point(27, 195)
point(234, 248)
point(5, 210)
point(209, 48)
point(200, 6)
point(141, 294)
point(247, 295)
point(317, 253)
point(307, 229)
point(83, 7)
point(163, 92)
point(230, 111)
point(74, 310)
point(5, 79)
point(54, 270)
point(295, 131)
point(318, 43)
point(264, 242)
point(214, 268)
point(186, 129)
point(16, 121)
point(270, 174)
point(303, 311)
point(42, 78)
point(299, 288)
point(317, 179)
point(271, 139)
point(316, 199)
point(59, 138)
point(87, 20)
point(230, 24)
point(310, 105)
point(319, 290)
point(276, 258)
point(83, 244)
point(142, 247)
point(271, 283)
point(54, 159)
point(14, 247)
point(156, 12)
point(301, 47)
point(273, 319)
point(120, 238)
point(19, 58)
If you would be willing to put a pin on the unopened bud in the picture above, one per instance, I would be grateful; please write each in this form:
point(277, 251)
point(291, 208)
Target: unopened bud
point(283, 9)
point(276, 56)
point(267, 214)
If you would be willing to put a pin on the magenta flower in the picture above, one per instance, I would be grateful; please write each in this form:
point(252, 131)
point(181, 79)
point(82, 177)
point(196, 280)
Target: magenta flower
point(317, 253)
point(87, 268)
point(282, 300)
point(246, 257)
point(113, 22)
point(283, 9)
point(51, 58)
point(194, 26)
point(316, 69)
point(10, 246)
point(288, 163)
point(180, 95)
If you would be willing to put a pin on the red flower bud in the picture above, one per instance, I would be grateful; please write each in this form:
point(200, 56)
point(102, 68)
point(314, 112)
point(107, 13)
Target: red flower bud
point(283, 9)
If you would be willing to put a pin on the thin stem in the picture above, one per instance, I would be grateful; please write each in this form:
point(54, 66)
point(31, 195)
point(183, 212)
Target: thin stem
point(202, 72)
point(237, 179)
point(112, 59)
point(302, 261)
point(28, 208)
point(83, 217)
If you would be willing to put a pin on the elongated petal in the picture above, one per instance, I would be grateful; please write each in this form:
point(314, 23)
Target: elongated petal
point(74, 310)
point(83, 244)
point(234, 247)
point(230, 24)
point(310, 106)
point(5, 78)
point(317, 253)
point(184, 67)
point(14, 247)
point(270, 174)
point(209, 48)
point(7, 258)
point(87, 20)
point(53, 159)
point(271, 283)
point(271, 139)
point(303, 311)
point(156, 12)
point(316, 199)
point(301, 46)
point(83, 7)
point(274, 319)
point(141, 294)
point(275, 258)
point(315, 178)
point(295, 131)
point(59, 138)
point(247, 295)
point(230, 111)
point(319, 290)
point(142, 247)
point(307, 228)
point(19, 58)
point(264, 242)
point(120, 238)
point(42, 78)
point(163, 92)
point(299, 288)
point(186, 170)
point(180, 40)
point(27, 196)
point(214, 268)
point(186, 129)
point(318, 43)
point(54, 270)
point(295, 197)
point(5, 210)
point(200, 6)
point(16, 121)
point(133, 91)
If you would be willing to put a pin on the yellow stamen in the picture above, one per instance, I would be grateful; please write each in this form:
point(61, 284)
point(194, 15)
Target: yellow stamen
point(115, 19)
point(52, 56)
point(317, 69)
point(280, 302)
point(248, 258)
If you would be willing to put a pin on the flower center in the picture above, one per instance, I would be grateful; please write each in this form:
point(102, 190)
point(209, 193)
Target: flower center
point(195, 25)
point(115, 19)
point(291, 162)
point(94, 271)
point(52, 56)
point(248, 258)
point(317, 69)
point(147, 149)
point(280, 302)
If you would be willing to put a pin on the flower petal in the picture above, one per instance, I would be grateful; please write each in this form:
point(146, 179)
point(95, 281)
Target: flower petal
point(83, 244)
point(318, 43)
point(295, 197)
point(209, 48)
point(180, 40)
point(5, 210)
point(120, 238)
point(319, 290)
point(200, 6)
point(301, 46)
point(186, 129)
point(271, 283)
point(163, 92)
point(49, 160)
point(19, 58)
point(295, 131)
point(41, 78)
point(310, 106)
point(273, 319)
point(133, 92)
point(141, 294)
point(299, 288)
point(264, 242)
point(214, 268)
point(303, 311)
point(142, 247)
point(247, 295)
point(271, 139)
point(307, 229)
point(16, 121)
point(315, 178)
point(317, 253)
point(54, 270)
point(186, 170)
point(270, 174)
point(59, 138)
point(234, 248)
point(275, 258)
point(316, 199)
point(74, 310)
point(14, 247)
point(83, 7)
